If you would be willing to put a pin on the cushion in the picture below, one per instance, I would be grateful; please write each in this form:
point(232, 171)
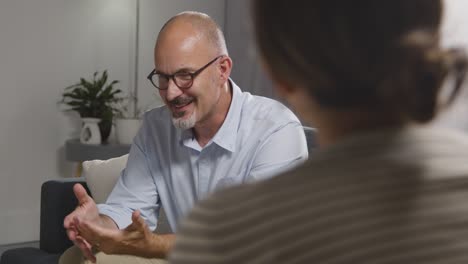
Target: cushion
point(28, 255)
point(101, 176)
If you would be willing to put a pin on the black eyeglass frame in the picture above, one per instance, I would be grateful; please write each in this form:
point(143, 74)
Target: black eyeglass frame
point(192, 75)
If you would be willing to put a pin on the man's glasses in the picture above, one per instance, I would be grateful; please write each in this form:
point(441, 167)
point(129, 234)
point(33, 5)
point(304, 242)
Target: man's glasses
point(183, 80)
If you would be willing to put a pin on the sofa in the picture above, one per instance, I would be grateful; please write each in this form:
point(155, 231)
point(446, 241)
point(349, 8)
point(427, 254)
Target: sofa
point(58, 200)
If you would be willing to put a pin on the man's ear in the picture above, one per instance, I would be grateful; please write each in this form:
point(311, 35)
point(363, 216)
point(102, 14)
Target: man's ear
point(225, 67)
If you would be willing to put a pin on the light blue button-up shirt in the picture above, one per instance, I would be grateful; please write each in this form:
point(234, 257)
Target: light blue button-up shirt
point(167, 167)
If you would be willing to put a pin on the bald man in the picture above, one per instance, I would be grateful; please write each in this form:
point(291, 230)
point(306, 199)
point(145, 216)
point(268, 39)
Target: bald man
point(208, 136)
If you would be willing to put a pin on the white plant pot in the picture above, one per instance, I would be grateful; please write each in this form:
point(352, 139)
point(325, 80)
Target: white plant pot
point(90, 133)
point(126, 130)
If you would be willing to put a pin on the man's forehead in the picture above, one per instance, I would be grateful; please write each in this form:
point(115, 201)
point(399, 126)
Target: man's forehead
point(179, 43)
point(189, 52)
point(171, 63)
point(190, 43)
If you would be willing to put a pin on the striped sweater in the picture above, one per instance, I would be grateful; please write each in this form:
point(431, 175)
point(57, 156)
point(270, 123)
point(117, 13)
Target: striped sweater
point(397, 196)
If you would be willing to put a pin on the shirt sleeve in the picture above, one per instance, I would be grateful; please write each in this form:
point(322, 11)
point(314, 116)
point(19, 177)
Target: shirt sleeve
point(282, 150)
point(134, 190)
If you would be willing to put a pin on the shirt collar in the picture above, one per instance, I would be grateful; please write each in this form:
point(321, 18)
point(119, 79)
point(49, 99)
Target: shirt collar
point(227, 134)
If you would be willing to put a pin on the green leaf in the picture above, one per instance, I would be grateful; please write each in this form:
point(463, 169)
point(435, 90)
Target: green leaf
point(93, 98)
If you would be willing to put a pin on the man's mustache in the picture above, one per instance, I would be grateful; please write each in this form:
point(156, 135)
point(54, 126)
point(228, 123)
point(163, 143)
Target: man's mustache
point(181, 101)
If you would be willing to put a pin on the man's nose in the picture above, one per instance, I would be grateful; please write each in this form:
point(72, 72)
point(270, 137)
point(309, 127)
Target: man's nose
point(173, 91)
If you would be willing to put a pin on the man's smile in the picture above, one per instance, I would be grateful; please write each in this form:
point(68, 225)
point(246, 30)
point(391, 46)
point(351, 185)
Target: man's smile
point(179, 106)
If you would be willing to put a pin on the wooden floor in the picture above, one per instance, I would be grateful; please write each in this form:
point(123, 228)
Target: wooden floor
point(4, 248)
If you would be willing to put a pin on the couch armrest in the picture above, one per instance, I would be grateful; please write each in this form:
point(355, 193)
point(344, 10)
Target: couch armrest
point(57, 201)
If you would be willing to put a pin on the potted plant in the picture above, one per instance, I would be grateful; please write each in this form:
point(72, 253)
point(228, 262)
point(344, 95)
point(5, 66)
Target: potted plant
point(94, 98)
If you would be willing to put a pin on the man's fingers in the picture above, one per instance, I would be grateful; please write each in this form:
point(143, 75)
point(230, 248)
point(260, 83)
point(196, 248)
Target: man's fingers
point(91, 257)
point(137, 219)
point(82, 197)
point(86, 227)
point(68, 221)
point(92, 232)
point(81, 194)
point(71, 233)
point(85, 248)
point(136, 214)
point(84, 243)
point(80, 243)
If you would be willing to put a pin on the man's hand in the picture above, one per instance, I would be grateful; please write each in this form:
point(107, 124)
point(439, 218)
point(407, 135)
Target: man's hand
point(85, 211)
point(137, 239)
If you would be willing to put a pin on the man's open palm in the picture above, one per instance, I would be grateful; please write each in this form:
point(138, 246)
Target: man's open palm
point(85, 211)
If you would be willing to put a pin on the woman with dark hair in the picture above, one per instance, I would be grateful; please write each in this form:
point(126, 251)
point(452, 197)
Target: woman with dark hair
point(385, 187)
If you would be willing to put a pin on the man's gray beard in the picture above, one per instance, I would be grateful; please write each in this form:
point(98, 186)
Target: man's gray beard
point(185, 123)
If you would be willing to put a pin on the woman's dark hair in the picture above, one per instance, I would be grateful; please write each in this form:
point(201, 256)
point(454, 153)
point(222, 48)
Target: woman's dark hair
point(366, 54)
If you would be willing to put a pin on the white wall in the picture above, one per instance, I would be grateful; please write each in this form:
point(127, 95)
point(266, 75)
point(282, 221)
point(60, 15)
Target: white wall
point(45, 46)
point(247, 71)
point(455, 26)
point(455, 34)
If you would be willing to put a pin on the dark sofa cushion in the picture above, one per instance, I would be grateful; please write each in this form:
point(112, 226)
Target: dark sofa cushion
point(57, 201)
point(28, 255)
